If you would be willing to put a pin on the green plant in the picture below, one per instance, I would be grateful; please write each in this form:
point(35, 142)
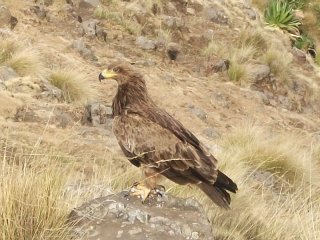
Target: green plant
point(280, 14)
point(304, 42)
point(297, 4)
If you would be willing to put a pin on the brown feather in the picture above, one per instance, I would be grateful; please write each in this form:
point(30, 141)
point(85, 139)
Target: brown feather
point(152, 138)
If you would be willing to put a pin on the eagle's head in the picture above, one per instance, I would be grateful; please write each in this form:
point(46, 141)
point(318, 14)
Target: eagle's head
point(121, 72)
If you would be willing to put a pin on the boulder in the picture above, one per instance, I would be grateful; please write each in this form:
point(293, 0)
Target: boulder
point(6, 73)
point(97, 114)
point(119, 216)
point(84, 50)
point(145, 43)
point(172, 22)
point(89, 3)
point(260, 73)
point(216, 15)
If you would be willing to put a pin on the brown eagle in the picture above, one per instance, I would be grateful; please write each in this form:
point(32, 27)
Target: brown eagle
point(153, 140)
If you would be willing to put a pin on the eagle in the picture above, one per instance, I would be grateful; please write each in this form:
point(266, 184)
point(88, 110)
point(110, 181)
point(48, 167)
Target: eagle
point(159, 144)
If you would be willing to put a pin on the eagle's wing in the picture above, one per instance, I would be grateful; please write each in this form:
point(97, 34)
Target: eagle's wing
point(163, 144)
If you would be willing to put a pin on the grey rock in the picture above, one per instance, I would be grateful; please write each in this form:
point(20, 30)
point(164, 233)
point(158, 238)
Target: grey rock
point(263, 97)
point(89, 3)
point(299, 55)
point(220, 99)
point(120, 216)
point(251, 14)
point(97, 114)
point(84, 50)
point(208, 34)
point(172, 22)
point(191, 11)
point(6, 19)
point(145, 43)
point(198, 112)
point(260, 73)
point(89, 27)
point(210, 132)
point(6, 73)
point(40, 10)
point(51, 92)
point(216, 15)
point(220, 66)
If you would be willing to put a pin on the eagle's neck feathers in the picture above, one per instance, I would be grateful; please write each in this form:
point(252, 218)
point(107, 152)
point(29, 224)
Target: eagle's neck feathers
point(130, 94)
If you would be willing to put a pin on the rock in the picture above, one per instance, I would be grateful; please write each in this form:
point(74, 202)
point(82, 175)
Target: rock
point(198, 112)
point(6, 73)
point(221, 99)
point(145, 43)
point(89, 27)
point(263, 97)
point(220, 66)
point(208, 34)
point(251, 14)
point(299, 55)
point(97, 114)
point(89, 3)
point(40, 11)
point(118, 216)
point(26, 85)
point(260, 73)
point(137, 9)
point(84, 50)
point(172, 22)
point(51, 92)
point(6, 19)
point(210, 132)
point(10, 107)
point(216, 15)
point(173, 50)
point(196, 4)
point(191, 11)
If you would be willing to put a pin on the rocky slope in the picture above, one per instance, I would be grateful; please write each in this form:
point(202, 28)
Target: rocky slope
point(195, 88)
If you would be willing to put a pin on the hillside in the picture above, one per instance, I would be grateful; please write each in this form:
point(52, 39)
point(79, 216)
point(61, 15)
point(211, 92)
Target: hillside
point(249, 90)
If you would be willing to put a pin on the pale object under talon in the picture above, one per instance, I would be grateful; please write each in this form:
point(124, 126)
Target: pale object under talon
point(140, 190)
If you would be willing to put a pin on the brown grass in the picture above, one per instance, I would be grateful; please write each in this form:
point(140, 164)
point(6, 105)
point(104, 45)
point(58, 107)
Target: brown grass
point(74, 85)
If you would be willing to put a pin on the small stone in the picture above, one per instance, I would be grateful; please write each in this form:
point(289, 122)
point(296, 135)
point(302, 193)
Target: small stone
point(251, 14)
point(145, 43)
point(89, 3)
point(89, 27)
point(135, 231)
point(220, 66)
point(198, 112)
point(191, 11)
point(216, 15)
point(208, 34)
point(172, 22)
point(5, 16)
point(6, 73)
point(84, 50)
point(260, 73)
point(119, 234)
point(194, 235)
point(210, 132)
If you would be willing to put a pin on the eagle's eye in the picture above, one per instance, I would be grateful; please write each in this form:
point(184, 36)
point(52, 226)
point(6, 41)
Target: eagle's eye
point(116, 69)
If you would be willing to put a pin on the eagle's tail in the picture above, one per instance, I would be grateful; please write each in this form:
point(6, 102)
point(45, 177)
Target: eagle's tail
point(218, 191)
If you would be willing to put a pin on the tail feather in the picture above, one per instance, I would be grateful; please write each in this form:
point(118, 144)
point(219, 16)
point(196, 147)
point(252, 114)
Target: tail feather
point(218, 191)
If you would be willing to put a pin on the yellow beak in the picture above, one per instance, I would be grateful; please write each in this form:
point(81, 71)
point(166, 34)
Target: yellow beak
point(107, 74)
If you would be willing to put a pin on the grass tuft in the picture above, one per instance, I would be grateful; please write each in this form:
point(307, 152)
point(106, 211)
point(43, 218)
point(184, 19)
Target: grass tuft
point(74, 85)
point(279, 62)
point(237, 72)
point(24, 60)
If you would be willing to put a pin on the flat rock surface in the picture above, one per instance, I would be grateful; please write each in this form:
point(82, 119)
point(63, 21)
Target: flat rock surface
point(119, 216)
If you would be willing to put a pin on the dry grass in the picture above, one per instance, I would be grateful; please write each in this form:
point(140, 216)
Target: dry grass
point(127, 22)
point(279, 62)
point(24, 60)
point(289, 209)
point(254, 39)
point(216, 49)
point(74, 85)
point(237, 72)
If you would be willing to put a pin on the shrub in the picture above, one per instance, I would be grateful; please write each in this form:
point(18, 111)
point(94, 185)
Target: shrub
point(280, 14)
